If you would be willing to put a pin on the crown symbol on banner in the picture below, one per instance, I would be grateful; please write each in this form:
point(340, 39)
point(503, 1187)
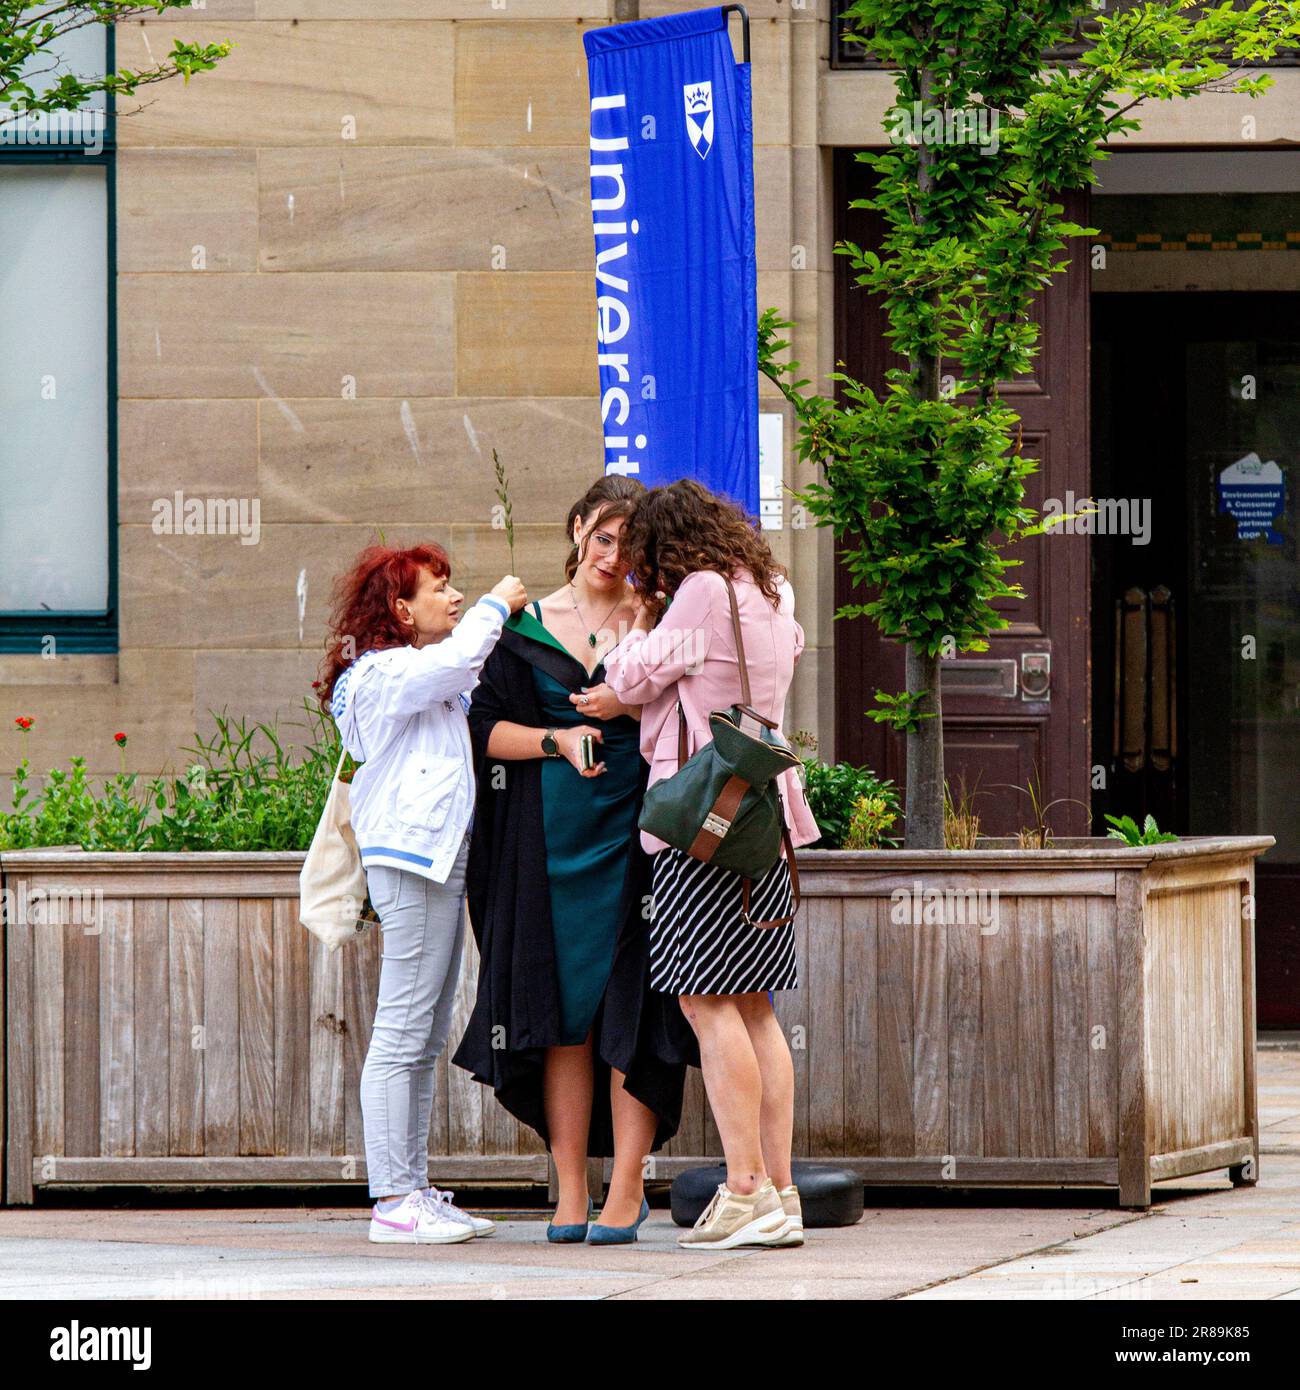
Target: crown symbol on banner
point(698, 100)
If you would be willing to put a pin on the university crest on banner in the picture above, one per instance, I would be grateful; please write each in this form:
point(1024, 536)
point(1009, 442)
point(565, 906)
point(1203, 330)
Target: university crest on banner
point(699, 115)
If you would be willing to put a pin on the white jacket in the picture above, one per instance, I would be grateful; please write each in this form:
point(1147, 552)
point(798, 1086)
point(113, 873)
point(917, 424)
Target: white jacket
point(400, 712)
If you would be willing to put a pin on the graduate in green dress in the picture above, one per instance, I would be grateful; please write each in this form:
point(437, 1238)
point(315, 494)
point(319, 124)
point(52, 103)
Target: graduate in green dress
point(565, 1028)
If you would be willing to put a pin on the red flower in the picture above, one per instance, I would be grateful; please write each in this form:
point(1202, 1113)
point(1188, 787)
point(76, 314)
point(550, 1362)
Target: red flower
point(23, 722)
point(315, 685)
point(120, 740)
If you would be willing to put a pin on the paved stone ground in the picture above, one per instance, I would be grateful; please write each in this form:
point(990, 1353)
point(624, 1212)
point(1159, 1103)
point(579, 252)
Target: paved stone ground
point(1202, 1239)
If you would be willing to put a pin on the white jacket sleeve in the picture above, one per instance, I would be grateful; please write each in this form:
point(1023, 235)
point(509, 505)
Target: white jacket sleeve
point(404, 680)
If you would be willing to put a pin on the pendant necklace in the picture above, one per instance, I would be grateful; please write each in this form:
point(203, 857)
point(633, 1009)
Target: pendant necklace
point(591, 636)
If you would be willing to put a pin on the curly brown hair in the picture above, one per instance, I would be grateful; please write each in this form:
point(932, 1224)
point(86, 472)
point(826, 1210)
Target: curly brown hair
point(682, 527)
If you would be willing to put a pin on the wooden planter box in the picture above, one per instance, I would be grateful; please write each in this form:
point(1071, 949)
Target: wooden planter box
point(169, 1021)
point(1102, 1033)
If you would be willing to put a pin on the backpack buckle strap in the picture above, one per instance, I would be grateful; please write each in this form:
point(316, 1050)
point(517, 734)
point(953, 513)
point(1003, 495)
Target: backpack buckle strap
point(718, 820)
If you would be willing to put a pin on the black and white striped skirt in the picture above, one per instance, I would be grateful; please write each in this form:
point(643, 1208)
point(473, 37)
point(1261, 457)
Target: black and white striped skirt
point(699, 940)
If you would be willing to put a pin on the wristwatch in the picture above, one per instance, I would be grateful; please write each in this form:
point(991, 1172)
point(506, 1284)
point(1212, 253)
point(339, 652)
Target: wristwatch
point(549, 746)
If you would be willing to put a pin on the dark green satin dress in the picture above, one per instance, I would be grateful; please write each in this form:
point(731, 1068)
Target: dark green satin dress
point(589, 824)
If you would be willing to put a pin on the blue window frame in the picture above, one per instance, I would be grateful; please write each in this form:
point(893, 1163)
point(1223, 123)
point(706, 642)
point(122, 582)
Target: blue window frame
point(58, 526)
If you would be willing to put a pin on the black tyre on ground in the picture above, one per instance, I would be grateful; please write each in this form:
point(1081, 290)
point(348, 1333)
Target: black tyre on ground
point(829, 1196)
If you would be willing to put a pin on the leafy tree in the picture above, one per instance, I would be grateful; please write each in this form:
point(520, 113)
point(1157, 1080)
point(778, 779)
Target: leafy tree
point(31, 48)
point(925, 481)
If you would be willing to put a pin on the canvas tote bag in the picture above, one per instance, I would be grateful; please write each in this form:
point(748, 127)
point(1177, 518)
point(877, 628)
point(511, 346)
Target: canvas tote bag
point(332, 901)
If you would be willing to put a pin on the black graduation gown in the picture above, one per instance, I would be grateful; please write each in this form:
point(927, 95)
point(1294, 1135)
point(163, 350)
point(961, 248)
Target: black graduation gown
point(636, 1030)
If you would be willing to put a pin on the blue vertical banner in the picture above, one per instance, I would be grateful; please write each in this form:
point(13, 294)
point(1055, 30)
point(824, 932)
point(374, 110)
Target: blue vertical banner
point(672, 204)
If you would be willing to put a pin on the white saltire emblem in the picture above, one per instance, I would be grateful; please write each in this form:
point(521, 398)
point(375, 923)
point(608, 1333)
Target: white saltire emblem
point(699, 115)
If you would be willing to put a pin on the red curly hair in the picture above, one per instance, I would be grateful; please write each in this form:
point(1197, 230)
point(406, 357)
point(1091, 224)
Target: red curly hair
point(363, 616)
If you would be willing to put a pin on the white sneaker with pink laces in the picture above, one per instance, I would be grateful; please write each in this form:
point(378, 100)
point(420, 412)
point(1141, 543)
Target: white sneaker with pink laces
point(416, 1221)
point(441, 1200)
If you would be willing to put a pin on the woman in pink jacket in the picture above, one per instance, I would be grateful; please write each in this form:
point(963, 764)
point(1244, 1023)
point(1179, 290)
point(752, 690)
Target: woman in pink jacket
point(679, 543)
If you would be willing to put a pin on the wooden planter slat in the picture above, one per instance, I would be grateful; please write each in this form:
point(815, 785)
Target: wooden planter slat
point(117, 1019)
point(846, 882)
point(1103, 1024)
point(861, 1032)
point(152, 985)
point(1101, 1032)
point(46, 1003)
point(894, 1002)
point(219, 1022)
point(999, 1030)
point(292, 1032)
point(445, 1168)
point(185, 1006)
point(21, 1107)
point(1225, 1154)
point(1134, 1153)
point(325, 1055)
point(83, 1075)
point(965, 1054)
point(462, 1096)
point(824, 972)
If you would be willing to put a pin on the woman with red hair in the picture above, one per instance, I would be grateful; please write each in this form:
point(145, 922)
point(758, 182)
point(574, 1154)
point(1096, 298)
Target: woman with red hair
point(399, 663)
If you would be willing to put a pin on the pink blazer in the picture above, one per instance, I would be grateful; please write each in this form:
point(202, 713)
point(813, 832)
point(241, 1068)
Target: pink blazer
point(692, 655)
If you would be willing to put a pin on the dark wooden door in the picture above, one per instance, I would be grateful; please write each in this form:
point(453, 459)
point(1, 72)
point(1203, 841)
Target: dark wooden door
point(1019, 710)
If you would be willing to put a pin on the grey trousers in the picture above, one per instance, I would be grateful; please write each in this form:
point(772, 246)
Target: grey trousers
point(423, 929)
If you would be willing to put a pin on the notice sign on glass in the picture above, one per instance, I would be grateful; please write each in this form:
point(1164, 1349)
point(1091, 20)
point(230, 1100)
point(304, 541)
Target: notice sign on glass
point(1253, 493)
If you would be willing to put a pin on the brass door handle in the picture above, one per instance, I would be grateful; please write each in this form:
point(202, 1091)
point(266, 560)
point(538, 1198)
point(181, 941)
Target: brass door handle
point(1146, 680)
point(1035, 675)
point(1131, 679)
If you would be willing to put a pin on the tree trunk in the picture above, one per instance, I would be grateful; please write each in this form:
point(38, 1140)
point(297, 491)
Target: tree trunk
point(925, 756)
point(925, 744)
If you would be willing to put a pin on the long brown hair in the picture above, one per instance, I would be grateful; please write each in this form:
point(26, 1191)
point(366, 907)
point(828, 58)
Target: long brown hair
point(364, 615)
point(609, 496)
point(684, 527)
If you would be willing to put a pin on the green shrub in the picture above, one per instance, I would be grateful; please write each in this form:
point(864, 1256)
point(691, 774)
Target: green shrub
point(872, 817)
point(836, 796)
point(241, 789)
